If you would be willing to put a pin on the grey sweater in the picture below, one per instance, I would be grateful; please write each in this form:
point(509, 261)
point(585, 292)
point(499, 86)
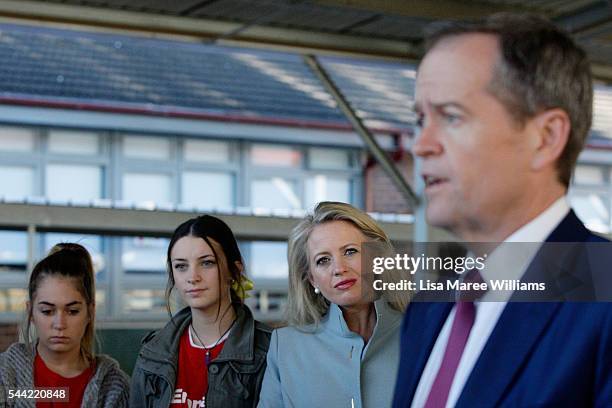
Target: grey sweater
point(109, 386)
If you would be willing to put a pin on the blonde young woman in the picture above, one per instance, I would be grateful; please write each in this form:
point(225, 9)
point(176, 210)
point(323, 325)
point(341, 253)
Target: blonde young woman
point(341, 348)
point(61, 307)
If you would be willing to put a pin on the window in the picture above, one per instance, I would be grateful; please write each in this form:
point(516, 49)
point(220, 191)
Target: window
point(144, 255)
point(144, 300)
point(326, 188)
point(141, 147)
point(328, 159)
point(15, 139)
point(588, 175)
point(593, 209)
point(73, 142)
point(146, 188)
point(13, 300)
point(13, 251)
point(275, 192)
point(17, 181)
point(73, 182)
point(268, 260)
point(328, 174)
point(276, 156)
point(206, 151)
point(207, 189)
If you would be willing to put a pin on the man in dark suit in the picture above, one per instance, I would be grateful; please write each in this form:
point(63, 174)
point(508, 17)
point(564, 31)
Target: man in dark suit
point(504, 108)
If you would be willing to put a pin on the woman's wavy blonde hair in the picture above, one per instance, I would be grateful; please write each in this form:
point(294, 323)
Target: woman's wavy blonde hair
point(305, 307)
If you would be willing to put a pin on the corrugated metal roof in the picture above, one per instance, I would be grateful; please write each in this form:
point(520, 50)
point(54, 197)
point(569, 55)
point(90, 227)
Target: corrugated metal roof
point(65, 65)
point(83, 66)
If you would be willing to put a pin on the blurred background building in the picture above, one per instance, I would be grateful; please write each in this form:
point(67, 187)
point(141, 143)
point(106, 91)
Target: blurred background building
point(121, 119)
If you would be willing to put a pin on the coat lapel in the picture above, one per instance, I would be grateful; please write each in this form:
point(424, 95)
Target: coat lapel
point(516, 334)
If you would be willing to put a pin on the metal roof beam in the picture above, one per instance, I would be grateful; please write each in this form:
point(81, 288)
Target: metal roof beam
point(373, 147)
point(587, 18)
point(130, 222)
point(440, 9)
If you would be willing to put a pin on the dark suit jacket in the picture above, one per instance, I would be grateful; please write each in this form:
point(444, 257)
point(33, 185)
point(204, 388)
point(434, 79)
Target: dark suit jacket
point(544, 354)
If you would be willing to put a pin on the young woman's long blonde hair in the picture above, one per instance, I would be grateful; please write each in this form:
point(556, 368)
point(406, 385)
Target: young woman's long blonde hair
point(305, 307)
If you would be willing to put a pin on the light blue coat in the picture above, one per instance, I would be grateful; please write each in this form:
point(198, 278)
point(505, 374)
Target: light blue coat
point(332, 367)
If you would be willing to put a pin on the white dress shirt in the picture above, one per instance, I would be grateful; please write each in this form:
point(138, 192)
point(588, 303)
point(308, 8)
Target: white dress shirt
point(487, 313)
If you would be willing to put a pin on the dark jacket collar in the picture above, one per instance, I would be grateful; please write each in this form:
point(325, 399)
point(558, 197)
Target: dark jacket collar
point(240, 344)
point(163, 345)
point(570, 229)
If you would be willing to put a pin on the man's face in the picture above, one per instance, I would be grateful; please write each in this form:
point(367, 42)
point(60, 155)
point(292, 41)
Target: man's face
point(474, 155)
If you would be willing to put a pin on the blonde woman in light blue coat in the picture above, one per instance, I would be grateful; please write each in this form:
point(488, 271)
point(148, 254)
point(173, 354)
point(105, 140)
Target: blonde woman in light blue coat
point(341, 348)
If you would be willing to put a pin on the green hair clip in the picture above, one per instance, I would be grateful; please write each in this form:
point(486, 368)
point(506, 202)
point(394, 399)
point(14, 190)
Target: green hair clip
point(241, 286)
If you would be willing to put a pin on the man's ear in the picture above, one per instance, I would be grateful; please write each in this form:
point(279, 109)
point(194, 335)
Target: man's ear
point(552, 128)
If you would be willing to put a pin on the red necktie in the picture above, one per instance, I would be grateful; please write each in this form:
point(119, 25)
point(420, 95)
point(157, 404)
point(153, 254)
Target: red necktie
point(465, 314)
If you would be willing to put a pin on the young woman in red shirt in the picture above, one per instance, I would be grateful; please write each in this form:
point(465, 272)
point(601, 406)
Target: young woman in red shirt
point(212, 353)
point(57, 366)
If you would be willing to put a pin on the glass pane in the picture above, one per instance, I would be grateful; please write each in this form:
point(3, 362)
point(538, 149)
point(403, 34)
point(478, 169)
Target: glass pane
point(592, 209)
point(206, 151)
point(207, 189)
point(267, 155)
point(275, 192)
point(73, 182)
point(13, 300)
point(100, 301)
point(144, 300)
point(319, 158)
point(268, 260)
point(13, 251)
point(325, 188)
point(17, 181)
point(73, 142)
point(144, 255)
point(588, 175)
point(15, 139)
point(93, 244)
point(140, 147)
point(145, 187)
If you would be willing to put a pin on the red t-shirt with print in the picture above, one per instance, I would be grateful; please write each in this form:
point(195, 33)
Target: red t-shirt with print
point(192, 378)
point(45, 378)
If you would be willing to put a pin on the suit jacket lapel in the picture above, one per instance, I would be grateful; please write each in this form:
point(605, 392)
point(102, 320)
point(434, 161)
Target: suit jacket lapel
point(515, 335)
point(517, 332)
point(424, 324)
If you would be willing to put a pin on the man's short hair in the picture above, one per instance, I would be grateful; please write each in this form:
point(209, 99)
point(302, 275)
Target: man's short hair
point(541, 68)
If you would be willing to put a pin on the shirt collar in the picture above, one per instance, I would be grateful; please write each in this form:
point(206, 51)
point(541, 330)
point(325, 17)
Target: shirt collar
point(538, 229)
point(511, 261)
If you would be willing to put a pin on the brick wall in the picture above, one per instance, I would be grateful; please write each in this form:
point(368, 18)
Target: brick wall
point(381, 195)
point(9, 334)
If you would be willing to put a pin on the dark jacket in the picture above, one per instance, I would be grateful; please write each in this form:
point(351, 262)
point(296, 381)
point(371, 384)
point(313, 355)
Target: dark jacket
point(234, 377)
